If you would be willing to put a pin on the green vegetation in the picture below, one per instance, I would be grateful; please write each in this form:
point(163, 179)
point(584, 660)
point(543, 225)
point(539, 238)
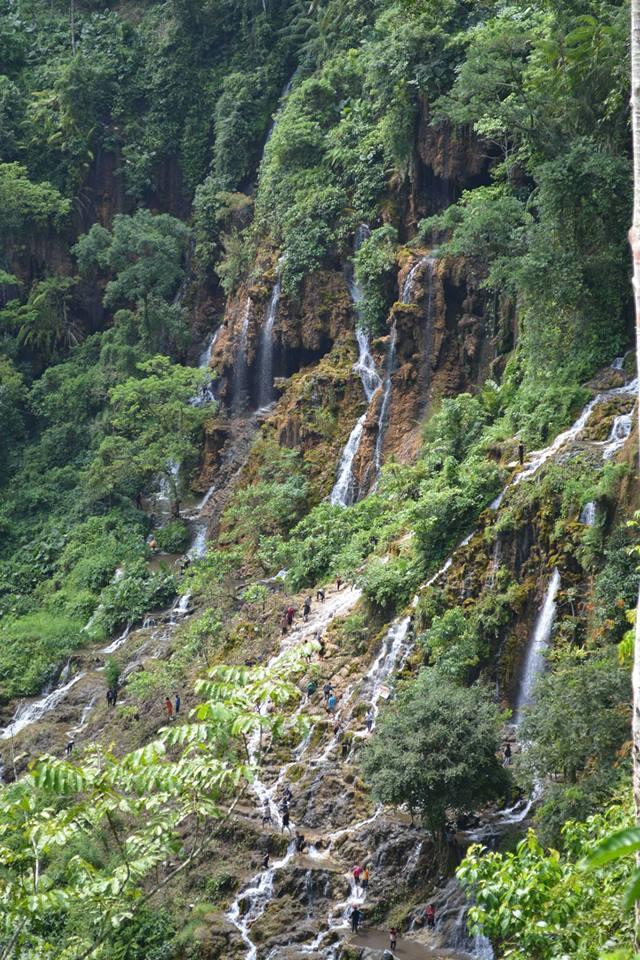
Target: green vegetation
point(537, 903)
point(139, 190)
point(436, 750)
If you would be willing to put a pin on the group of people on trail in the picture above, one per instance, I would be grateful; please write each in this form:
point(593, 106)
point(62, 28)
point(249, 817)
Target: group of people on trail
point(172, 707)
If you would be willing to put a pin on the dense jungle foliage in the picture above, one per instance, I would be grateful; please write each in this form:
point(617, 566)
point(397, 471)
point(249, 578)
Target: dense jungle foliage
point(138, 162)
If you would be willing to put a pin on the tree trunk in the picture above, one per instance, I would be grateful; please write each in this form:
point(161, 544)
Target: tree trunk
point(634, 239)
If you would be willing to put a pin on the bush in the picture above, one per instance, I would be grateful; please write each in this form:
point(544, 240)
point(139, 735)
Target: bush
point(173, 537)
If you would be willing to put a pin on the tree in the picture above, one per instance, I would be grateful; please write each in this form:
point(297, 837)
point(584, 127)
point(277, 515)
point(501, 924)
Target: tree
point(143, 251)
point(152, 429)
point(537, 904)
point(436, 750)
point(24, 204)
point(45, 322)
point(151, 813)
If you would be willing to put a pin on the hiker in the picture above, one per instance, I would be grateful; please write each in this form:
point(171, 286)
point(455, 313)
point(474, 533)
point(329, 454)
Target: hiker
point(393, 938)
point(286, 793)
point(178, 702)
point(331, 703)
point(311, 688)
point(430, 916)
point(357, 871)
point(265, 861)
point(300, 842)
point(369, 720)
point(364, 879)
point(266, 814)
point(291, 612)
point(337, 728)
point(153, 544)
point(323, 647)
point(284, 805)
point(345, 749)
point(521, 453)
point(114, 696)
point(338, 583)
point(507, 755)
point(109, 697)
point(69, 747)
point(169, 708)
point(284, 624)
point(320, 595)
point(306, 609)
point(285, 820)
point(356, 917)
point(327, 690)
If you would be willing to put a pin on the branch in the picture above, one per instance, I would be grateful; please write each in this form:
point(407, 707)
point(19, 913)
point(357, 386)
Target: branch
point(163, 883)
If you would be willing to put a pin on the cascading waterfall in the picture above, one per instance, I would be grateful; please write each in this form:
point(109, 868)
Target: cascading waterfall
point(622, 426)
point(385, 406)
point(535, 657)
point(240, 366)
point(345, 490)
point(266, 392)
point(28, 713)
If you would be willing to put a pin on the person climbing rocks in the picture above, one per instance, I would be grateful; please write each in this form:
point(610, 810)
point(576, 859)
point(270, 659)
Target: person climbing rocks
point(430, 916)
point(291, 612)
point(507, 755)
point(300, 842)
point(364, 879)
point(169, 708)
point(323, 647)
point(357, 872)
point(109, 697)
point(344, 752)
point(265, 861)
point(284, 624)
point(320, 595)
point(306, 609)
point(331, 703)
point(285, 820)
point(284, 805)
point(286, 793)
point(356, 917)
point(521, 452)
point(339, 582)
point(369, 720)
point(69, 747)
point(178, 702)
point(337, 728)
point(311, 688)
point(266, 814)
point(153, 544)
point(393, 938)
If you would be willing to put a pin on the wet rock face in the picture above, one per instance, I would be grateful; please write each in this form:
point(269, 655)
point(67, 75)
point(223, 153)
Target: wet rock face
point(304, 331)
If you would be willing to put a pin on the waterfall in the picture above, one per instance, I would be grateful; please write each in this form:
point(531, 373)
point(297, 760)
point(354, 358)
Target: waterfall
point(240, 366)
point(386, 398)
point(345, 491)
point(206, 393)
point(538, 458)
point(266, 393)
point(588, 514)
point(28, 713)
point(620, 430)
point(535, 656)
